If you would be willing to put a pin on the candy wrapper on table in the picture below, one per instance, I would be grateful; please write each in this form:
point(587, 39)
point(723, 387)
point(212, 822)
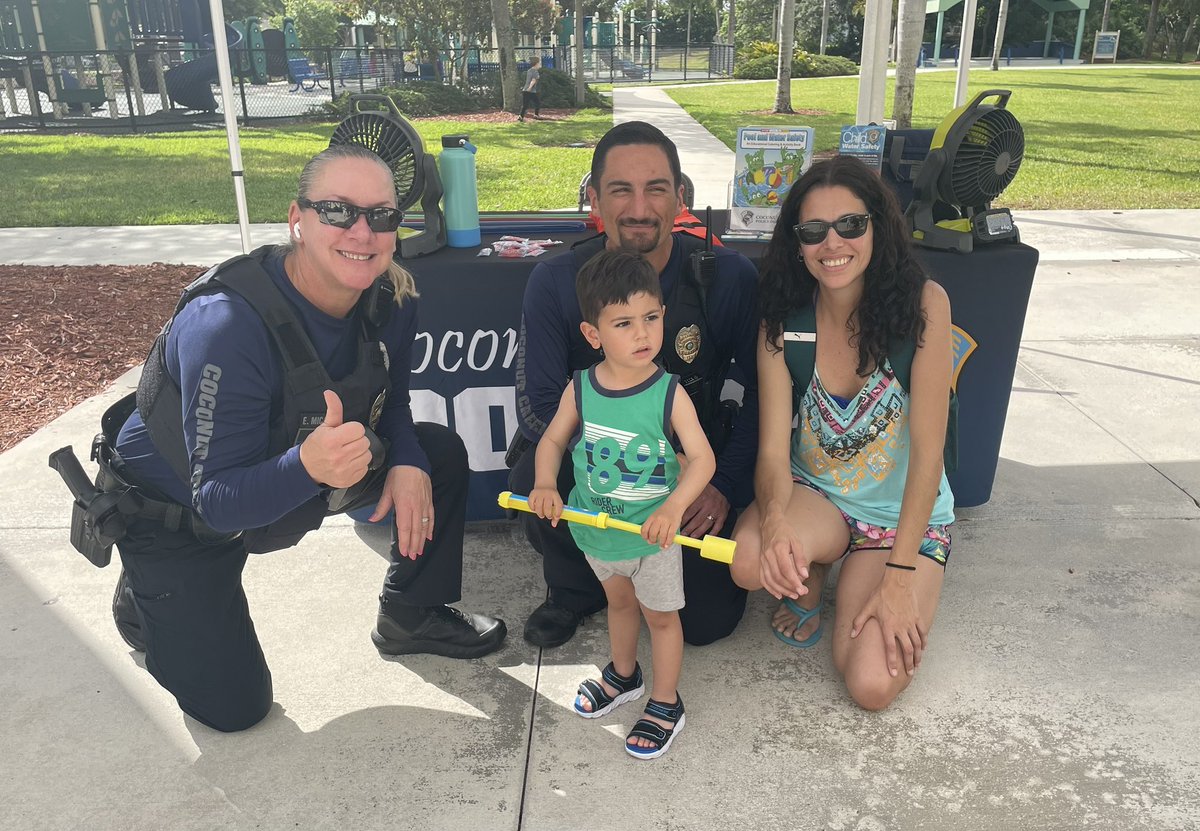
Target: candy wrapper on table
point(513, 247)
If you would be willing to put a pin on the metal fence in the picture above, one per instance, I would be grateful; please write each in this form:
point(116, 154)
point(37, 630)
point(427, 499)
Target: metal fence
point(170, 87)
point(645, 63)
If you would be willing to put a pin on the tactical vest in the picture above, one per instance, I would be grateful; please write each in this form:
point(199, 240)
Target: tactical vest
point(688, 349)
point(363, 392)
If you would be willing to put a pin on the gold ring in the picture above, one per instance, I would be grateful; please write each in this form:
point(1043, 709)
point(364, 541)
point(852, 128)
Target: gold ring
point(424, 519)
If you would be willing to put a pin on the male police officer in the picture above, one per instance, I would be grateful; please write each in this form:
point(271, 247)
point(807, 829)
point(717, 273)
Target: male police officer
point(711, 320)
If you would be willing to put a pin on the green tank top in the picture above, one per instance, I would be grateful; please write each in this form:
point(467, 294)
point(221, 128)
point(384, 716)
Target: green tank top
point(624, 463)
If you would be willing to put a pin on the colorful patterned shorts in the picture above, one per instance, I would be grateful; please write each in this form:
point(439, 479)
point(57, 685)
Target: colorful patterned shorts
point(864, 535)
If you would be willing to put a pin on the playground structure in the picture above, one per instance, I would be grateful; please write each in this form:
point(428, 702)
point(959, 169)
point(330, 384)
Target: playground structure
point(121, 54)
point(1052, 7)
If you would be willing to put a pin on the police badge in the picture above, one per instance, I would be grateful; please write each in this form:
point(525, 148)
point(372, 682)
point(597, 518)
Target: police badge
point(377, 409)
point(687, 343)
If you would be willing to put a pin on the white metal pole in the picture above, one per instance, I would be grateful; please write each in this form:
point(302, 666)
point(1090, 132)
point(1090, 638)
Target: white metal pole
point(872, 77)
point(964, 53)
point(231, 128)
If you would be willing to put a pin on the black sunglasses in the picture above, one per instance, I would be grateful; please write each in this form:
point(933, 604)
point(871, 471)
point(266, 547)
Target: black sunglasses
point(344, 215)
point(850, 226)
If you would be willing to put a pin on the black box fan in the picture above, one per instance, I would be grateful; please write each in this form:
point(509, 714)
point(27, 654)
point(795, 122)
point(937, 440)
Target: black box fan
point(973, 157)
point(376, 124)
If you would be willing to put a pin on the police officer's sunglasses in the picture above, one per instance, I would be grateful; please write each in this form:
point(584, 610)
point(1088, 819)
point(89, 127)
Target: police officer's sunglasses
point(850, 226)
point(344, 215)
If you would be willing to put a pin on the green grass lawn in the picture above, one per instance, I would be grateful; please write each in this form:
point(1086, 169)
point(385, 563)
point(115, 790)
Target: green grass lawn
point(183, 178)
point(1115, 139)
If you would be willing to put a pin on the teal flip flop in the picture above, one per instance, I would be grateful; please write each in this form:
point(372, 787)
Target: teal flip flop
point(803, 615)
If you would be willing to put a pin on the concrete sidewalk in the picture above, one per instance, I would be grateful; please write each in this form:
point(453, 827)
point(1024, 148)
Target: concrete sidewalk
point(1059, 236)
point(1059, 691)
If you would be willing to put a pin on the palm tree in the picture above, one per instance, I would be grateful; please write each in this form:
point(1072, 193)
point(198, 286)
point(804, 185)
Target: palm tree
point(787, 41)
point(509, 86)
point(1151, 25)
point(1001, 22)
point(911, 27)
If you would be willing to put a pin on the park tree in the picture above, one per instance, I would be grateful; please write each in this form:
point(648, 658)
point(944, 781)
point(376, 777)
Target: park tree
point(534, 17)
point(677, 19)
point(1175, 29)
point(509, 86)
point(1151, 24)
point(910, 30)
point(318, 22)
point(787, 43)
point(242, 9)
point(1001, 25)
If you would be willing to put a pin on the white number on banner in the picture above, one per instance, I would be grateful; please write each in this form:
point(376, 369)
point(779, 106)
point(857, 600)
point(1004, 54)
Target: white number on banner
point(473, 421)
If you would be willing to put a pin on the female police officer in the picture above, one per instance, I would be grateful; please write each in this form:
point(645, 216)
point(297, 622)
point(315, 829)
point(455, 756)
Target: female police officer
point(277, 393)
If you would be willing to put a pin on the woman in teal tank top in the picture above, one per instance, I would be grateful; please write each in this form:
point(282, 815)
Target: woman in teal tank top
point(861, 473)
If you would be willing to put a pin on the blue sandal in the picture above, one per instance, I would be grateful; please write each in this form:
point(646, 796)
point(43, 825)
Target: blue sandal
point(803, 615)
point(628, 689)
point(655, 732)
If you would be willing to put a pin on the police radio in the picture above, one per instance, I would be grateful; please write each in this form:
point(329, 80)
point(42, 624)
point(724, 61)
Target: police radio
point(704, 262)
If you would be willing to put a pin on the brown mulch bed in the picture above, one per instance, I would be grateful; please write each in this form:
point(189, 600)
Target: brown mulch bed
point(70, 331)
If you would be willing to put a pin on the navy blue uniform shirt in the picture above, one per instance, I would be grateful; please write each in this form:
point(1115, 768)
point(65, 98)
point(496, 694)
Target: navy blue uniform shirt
point(242, 487)
point(552, 347)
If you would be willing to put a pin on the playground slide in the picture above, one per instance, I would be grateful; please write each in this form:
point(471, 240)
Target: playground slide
point(190, 83)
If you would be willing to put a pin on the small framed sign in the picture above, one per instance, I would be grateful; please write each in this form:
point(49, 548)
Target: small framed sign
point(864, 141)
point(1104, 47)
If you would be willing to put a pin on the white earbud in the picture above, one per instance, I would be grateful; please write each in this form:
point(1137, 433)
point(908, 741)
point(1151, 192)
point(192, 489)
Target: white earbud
point(296, 230)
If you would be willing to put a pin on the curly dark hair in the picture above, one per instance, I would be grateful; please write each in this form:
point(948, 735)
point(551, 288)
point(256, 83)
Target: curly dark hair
point(890, 307)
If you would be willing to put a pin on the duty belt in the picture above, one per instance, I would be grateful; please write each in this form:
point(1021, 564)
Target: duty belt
point(170, 514)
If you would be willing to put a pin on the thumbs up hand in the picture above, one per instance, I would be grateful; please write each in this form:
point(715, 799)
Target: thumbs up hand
point(336, 454)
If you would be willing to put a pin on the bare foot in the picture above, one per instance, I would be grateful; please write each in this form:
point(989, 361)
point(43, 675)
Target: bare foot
point(784, 620)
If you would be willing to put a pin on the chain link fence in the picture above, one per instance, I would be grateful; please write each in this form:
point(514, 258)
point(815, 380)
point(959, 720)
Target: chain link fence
point(171, 88)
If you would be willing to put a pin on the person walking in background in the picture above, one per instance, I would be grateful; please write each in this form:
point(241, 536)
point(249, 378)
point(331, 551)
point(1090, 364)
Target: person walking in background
point(617, 420)
point(530, 92)
point(861, 475)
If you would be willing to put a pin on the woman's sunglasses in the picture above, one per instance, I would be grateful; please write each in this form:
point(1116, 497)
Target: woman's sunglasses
point(344, 215)
point(850, 226)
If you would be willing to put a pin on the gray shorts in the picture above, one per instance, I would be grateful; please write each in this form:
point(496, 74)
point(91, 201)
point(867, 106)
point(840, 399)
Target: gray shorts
point(657, 578)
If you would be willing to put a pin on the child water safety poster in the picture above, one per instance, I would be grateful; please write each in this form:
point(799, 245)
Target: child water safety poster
point(767, 161)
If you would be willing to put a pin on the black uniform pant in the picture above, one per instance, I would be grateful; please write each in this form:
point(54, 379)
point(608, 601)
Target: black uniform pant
point(528, 99)
point(200, 640)
point(714, 603)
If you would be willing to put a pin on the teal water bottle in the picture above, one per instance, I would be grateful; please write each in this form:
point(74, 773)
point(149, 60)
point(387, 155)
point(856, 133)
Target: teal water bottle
point(457, 166)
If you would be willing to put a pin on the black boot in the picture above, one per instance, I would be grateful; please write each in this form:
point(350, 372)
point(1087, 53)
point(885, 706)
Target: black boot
point(125, 615)
point(437, 630)
point(553, 624)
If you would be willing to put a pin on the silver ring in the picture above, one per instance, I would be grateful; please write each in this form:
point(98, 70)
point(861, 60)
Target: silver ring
point(712, 518)
point(424, 519)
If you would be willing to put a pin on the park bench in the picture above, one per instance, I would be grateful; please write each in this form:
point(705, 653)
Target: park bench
point(304, 76)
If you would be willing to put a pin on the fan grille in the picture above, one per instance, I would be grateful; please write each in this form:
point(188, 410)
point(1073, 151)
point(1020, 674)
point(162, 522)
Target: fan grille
point(388, 139)
point(987, 158)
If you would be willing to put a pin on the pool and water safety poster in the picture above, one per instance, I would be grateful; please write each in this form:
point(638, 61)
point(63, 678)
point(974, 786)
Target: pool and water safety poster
point(767, 161)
